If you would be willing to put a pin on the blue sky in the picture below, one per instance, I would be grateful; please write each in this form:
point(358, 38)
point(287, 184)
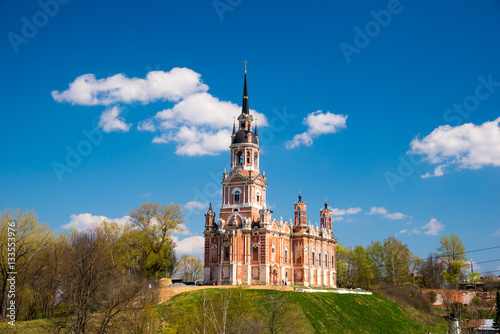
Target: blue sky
point(391, 109)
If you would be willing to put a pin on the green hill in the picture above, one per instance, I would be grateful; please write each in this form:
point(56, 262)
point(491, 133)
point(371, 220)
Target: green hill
point(296, 312)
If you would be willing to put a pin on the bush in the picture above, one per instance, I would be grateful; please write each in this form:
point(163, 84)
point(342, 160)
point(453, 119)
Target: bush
point(432, 296)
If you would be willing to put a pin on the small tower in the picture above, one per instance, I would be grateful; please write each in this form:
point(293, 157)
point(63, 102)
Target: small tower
point(265, 216)
point(209, 219)
point(300, 209)
point(326, 217)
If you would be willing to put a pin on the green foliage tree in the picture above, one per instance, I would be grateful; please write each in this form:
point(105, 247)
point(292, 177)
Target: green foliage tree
point(375, 252)
point(342, 264)
point(451, 253)
point(151, 235)
point(397, 260)
point(22, 238)
point(496, 320)
point(362, 266)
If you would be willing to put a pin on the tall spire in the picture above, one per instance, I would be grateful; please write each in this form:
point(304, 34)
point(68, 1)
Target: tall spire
point(244, 108)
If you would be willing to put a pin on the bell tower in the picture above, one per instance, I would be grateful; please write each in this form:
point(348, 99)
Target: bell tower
point(244, 188)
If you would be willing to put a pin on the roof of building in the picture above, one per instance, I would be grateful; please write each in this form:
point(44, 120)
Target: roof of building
point(241, 137)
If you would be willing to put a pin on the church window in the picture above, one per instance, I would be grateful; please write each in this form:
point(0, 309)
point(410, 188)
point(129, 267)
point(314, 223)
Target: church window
point(239, 157)
point(312, 258)
point(255, 157)
point(237, 197)
point(286, 255)
point(319, 259)
point(249, 155)
point(326, 260)
point(255, 256)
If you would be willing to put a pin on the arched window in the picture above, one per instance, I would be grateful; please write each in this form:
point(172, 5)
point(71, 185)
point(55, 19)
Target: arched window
point(249, 155)
point(326, 260)
point(286, 256)
point(258, 197)
point(237, 196)
point(319, 259)
point(255, 159)
point(312, 258)
point(239, 157)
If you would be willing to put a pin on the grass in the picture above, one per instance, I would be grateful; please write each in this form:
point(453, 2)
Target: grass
point(334, 313)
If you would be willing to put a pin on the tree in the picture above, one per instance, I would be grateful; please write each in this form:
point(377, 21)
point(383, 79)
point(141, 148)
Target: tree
point(189, 268)
point(362, 267)
point(452, 253)
point(375, 252)
point(397, 260)
point(152, 237)
point(341, 264)
point(93, 288)
point(496, 321)
point(430, 272)
point(23, 237)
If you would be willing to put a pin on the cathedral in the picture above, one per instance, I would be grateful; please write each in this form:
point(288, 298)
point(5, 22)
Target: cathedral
point(246, 245)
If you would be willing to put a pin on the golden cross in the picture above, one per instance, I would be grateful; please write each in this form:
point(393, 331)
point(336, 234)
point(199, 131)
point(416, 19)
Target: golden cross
point(246, 67)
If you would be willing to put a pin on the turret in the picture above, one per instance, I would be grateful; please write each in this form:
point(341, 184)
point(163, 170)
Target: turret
point(210, 219)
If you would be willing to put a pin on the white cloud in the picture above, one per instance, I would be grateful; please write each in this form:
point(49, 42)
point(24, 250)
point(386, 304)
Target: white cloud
point(497, 233)
point(84, 221)
point(343, 212)
point(318, 123)
point(433, 227)
point(193, 141)
point(110, 120)
point(196, 205)
point(191, 245)
point(174, 85)
point(437, 172)
point(198, 123)
point(468, 146)
point(383, 211)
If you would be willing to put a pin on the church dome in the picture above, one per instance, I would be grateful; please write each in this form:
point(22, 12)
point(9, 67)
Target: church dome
point(242, 135)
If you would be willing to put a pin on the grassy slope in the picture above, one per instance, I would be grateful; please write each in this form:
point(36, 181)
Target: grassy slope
point(335, 313)
point(323, 312)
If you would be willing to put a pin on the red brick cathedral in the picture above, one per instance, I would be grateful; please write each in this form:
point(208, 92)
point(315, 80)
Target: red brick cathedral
point(246, 245)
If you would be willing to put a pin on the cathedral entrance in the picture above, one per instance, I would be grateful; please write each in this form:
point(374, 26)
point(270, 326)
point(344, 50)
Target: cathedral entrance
point(274, 276)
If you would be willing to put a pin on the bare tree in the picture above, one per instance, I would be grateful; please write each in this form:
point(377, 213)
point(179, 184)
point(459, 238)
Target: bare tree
point(189, 268)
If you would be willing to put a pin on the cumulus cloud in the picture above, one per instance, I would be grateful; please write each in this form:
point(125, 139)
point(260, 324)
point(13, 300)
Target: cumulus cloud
point(84, 221)
point(433, 227)
point(110, 120)
point(343, 212)
point(439, 171)
point(194, 245)
point(196, 205)
point(174, 85)
point(467, 146)
point(318, 123)
point(383, 211)
point(198, 123)
point(193, 141)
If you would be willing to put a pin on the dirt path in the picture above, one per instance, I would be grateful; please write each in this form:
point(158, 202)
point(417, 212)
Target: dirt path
point(166, 293)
